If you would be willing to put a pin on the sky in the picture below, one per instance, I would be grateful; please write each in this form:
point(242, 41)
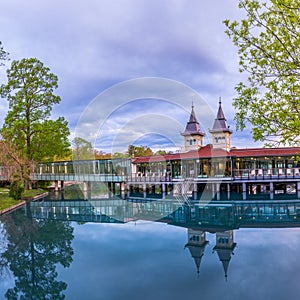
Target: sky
point(129, 71)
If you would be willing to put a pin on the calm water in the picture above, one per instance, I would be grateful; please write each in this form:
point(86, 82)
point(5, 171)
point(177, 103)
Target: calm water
point(55, 259)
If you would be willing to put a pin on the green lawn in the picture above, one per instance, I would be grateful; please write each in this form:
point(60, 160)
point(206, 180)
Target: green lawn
point(32, 193)
point(5, 200)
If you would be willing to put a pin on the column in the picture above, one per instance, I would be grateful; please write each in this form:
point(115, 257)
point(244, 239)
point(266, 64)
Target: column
point(195, 190)
point(298, 189)
point(144, 190)
point(228, 191)
point(271, 190)
point(213, 192)
point(218, 186)
point(163, 188)
point(244, 191)
point(62, 185)
point(56, 185)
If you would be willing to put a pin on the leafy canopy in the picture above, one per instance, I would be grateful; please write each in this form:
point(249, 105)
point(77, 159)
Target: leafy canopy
point(30, 93)
point(268, 41)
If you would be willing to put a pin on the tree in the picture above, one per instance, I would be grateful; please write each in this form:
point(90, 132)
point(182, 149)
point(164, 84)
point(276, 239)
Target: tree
point(3, 54)
point(134, 151)
point(82, 149)
point(51, 140)
point(30, 93)
point(268, 42)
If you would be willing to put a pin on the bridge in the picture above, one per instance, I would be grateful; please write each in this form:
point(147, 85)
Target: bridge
point(123, 173)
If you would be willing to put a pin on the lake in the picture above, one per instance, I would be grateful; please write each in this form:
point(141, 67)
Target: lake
point(58, 248)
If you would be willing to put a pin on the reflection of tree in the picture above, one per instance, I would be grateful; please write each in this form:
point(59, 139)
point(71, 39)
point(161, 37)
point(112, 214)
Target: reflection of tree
point(34, 248)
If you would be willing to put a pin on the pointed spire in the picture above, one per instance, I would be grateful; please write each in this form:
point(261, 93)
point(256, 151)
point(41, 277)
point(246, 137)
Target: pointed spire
point(220, 124)
point(220, 114)
point(192, 126)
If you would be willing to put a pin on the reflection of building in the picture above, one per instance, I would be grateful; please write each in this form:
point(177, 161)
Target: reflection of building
point(196, 244)
point(224, 247)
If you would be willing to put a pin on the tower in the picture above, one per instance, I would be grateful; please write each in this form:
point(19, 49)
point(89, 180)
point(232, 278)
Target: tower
point(192, 134)
point(220, 131)
point(224, 247)
point(196, 244)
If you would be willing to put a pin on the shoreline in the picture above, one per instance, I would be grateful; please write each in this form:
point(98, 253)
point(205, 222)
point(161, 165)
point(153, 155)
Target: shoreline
point(22, 203)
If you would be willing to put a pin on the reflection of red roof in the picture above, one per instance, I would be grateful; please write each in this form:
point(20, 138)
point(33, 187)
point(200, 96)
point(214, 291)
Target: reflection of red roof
point(208, 151)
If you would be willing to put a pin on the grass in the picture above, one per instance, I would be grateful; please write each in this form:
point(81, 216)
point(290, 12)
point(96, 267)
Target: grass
point(5, 200)
point(32, 193)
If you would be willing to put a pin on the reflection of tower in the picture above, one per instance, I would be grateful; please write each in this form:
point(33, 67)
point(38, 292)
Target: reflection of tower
point(192, 134)
point(196, 244)
point(220, 131)
point(224, 247)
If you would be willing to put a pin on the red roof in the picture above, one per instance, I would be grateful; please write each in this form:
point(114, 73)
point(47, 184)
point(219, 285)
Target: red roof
point(265, 152)
point(208, 152)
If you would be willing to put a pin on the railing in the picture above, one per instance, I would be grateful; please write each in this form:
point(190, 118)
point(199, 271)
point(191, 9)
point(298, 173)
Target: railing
point(257, 174)
point(148, 177)
point(77, 177)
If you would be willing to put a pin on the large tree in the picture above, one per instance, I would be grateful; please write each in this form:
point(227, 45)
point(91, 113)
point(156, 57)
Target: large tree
point(30, 93)
point(268, 41)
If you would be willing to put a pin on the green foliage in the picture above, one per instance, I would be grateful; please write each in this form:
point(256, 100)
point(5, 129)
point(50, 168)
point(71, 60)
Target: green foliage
point(162, 152)
point(51, 140)
point(268, 42)
point(16, 190)
point(134, 151)
point(30, 93)
point(82, 149)
point(3, 54)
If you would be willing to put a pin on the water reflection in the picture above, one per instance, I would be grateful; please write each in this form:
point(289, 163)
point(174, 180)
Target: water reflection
point(39, 246)
point(33, 249)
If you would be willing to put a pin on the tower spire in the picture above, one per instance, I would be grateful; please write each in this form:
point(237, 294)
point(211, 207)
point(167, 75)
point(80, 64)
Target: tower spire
point(192, 133)
point(220, 131)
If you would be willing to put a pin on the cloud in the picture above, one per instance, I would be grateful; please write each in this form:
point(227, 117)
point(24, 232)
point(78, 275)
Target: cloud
point(94, 45)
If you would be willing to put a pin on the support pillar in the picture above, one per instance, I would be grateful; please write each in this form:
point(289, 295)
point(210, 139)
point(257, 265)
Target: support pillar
point(114, 188)
point(228, 191)
point(218, 186)
point(128, 187)
point(298, 189)
point(195, 190)
point(163, 188)
point(87, 189)
point(56, 185)
point(213, 190)
point(244, 191)
point(271, 191)
point(62, 185)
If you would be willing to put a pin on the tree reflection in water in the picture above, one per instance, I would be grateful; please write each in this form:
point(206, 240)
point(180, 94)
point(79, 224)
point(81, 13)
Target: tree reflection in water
point(34, 248)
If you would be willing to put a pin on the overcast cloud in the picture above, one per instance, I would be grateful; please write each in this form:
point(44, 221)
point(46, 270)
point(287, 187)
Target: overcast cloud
point(94, 45)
